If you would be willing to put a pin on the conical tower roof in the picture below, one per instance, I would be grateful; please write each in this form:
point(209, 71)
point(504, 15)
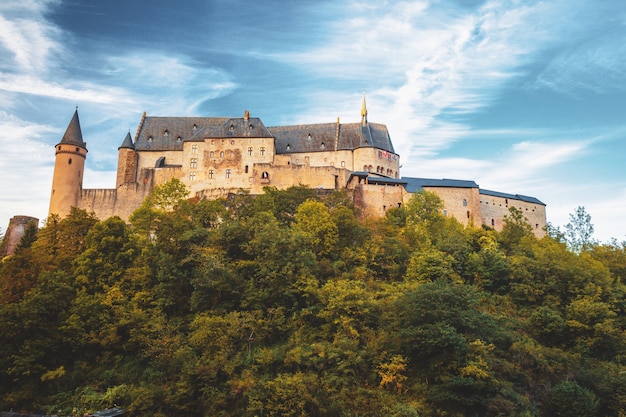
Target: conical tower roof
point(128, 142)
point(73, 135)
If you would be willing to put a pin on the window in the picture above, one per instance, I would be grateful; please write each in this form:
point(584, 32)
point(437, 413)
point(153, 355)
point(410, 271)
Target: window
point(250, 151)
point(464, 202)
point(222, 154)
point(262, 151)
point(69, 161)
point(228, 173)
point(211, 154)
point(493, 222)
point(193, 163)
point(343, 164)
point(445, 212)
point(194, 148)
point(468, 214)
point(246, 169)
point(192, 176)
point(211, 174)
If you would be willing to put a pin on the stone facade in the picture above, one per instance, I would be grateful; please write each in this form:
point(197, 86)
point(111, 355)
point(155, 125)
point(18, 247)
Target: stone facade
point(217, 156)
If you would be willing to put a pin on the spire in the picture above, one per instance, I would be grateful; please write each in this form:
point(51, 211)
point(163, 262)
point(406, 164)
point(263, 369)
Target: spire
point(73, 135)
point(363, 112)
point(127, 143)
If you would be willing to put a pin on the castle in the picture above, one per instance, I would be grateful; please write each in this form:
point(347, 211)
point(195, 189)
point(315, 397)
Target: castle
point(217, 156)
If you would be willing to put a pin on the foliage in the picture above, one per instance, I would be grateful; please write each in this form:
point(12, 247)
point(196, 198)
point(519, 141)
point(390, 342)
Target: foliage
point(290, 303)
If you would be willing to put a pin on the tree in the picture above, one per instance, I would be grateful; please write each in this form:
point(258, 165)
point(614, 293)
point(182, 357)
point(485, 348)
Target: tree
point(579, 231)
point(515, 228)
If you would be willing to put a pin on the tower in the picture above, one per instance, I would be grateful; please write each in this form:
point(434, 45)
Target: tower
point(69, 166)
point(126, 162)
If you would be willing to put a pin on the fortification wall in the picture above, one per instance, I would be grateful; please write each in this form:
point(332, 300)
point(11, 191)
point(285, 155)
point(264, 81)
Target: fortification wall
point(495, 208)
point(120, 202)
point(375, 200)
point(461, 203)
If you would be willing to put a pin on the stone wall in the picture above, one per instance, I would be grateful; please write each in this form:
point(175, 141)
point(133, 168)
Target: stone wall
point(14, 233)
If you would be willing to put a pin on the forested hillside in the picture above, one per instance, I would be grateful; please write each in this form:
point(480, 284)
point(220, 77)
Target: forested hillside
point(286, 304)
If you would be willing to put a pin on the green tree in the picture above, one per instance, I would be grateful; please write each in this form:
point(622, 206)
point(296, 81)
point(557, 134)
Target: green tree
point(579, 231)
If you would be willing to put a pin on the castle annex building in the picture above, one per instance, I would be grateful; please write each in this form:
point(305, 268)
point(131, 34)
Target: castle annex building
point(218, 156)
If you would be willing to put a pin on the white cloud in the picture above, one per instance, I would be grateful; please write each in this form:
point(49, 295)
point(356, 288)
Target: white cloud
point(27, 40)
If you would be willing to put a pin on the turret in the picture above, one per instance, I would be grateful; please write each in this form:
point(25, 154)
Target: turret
point(363, 112)
point(69, 166)
point(126, 162)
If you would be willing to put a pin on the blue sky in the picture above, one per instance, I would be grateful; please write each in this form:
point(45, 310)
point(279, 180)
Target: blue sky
point(525, 97)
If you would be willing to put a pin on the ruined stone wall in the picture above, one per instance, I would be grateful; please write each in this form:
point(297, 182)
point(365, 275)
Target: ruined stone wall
point(14, 233)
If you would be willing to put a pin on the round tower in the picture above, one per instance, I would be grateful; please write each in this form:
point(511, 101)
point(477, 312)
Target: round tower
point(126, 163)
point(69, 166)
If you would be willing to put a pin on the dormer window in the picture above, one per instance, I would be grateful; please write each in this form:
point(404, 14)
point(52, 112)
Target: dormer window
point(178, 139)
point(308, 137)
point(232, 127)
point(195, 127)
point(166, 133)
point(323, 145)
point(288, 147)
point(251, 127)
point(149, 138)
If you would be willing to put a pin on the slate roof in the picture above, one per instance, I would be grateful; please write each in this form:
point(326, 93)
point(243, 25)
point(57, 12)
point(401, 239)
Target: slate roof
point(321, 137)
point(520, 197)
point(414, 185)
point(128, 142)
point(73, 134)
point(169, 133)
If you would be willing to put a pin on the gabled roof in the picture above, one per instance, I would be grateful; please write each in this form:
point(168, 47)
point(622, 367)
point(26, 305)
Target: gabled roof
point(128, 142)
point(169, 133)
point(73, 134)
point(520, 197)
point(414, 185)
point(321, 137)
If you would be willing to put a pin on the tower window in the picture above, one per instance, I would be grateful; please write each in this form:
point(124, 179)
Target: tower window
point(193, 163)
point(262, 151)
point(69, 161)
point(250, 151)
point(228, 173)
point(211, 174)
point(194, 148)
point(192, 176)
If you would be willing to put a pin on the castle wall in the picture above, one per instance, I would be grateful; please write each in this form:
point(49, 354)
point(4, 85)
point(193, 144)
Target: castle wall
point(126, 167)
point(378, 161)
point(375, 200)
point(121, 202)
point(461, 203)
point(494, 209)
